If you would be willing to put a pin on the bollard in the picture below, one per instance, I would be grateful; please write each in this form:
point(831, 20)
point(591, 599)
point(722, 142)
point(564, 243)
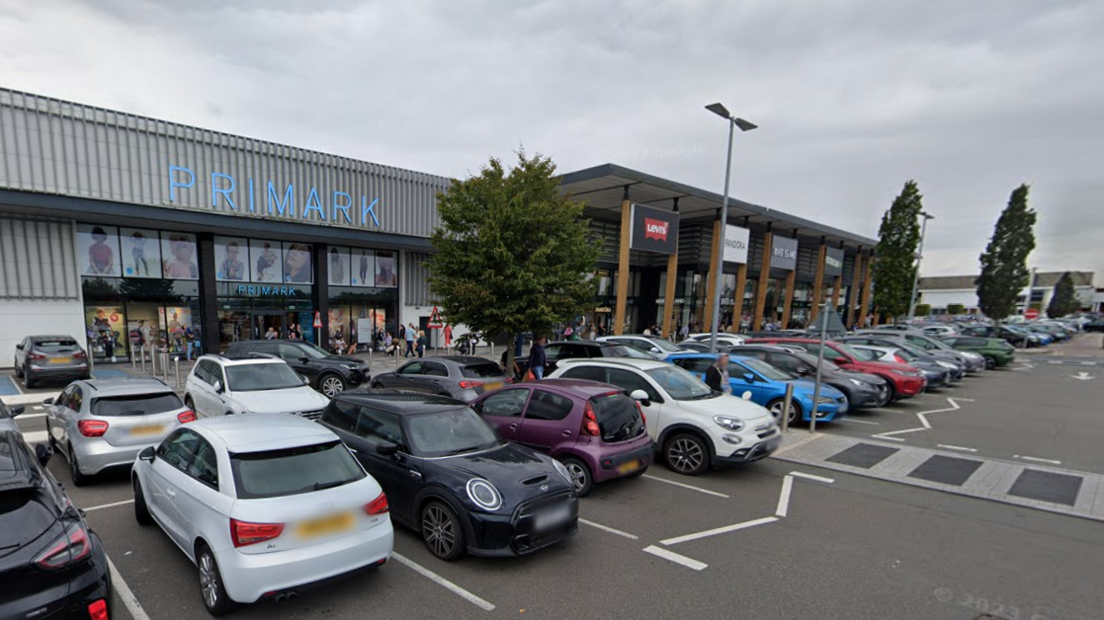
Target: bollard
point(786, 404)
point(133, 362)
point(176, 362)
point(153, 360)
point(142, 354)
point(492, 351)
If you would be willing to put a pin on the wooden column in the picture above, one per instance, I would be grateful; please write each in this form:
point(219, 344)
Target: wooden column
point(623, 266)
point(852, 296)
point(764, 276)
point(866, 291)
point(791, 278)
point(669, 294)
point(738, 297)
point(818, 283)
point(712, 278)
point(836, 287)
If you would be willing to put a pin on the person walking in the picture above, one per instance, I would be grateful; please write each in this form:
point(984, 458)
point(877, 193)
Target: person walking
point(189, 341)
point(717, 375)
point(411, 335)
point(421, 343)
point(270, 334)
point(537, 359)
point(568, 332)
point(388, 345)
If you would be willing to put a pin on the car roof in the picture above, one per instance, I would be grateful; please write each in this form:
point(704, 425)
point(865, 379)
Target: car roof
point(459, 360)
point(126, 385)
point(37, 338)
point(16, 471)
point(630, 362)
point(257, 432)
point(253, 358)
point(586, 343)
point(583, 386)
point(401, 402)
point(241, 342)
point(775, 348)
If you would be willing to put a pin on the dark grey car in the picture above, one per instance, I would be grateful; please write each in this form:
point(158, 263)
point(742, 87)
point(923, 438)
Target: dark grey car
point(461, 377)
point(919, 340)
point(39, 358)
point(861, 389)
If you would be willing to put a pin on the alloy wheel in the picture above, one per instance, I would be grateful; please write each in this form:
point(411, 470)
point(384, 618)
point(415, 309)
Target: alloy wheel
point(438, 530)
point(578, 475)
point(685, 455)
point(208, 580)
point(332, 386)
point(776, 411)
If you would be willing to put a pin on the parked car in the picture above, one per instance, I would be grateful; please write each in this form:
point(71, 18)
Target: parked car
point(659, 347)
point(596, 430)
point(1095, 325)
point(726, 339)
point(767, 386)
point(1056, 333)
point(1008, 333)
point(861, 389)
point(327, 373)
point(50, 559)
point(938, 330)
point(57, 358)
point(904, 381)
point(996, 351)
point(969, 361)
point(448, 475)
point(582, 349)
point(694, 427)
point(947, 360)
point(102, 424)
point(220, 385)
point(460, 377)
point(935, 376)
point(7, 416)
point(263, 505)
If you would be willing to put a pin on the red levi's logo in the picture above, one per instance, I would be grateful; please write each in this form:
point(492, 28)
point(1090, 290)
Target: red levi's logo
point(655, 229)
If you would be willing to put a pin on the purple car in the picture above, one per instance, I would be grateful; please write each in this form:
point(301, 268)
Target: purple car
point(595, 430)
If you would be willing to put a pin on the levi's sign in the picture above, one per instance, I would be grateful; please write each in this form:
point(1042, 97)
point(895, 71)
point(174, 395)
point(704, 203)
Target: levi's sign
point(653, 230)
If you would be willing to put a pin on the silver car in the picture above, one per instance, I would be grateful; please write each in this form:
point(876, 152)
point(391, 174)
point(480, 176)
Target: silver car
point(41, 358)
point(104, 423)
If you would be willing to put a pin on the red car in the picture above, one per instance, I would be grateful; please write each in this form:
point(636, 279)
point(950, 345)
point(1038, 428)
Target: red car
point(904, 381)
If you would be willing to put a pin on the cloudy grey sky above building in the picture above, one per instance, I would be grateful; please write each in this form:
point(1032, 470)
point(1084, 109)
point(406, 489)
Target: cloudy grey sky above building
point(853, 97)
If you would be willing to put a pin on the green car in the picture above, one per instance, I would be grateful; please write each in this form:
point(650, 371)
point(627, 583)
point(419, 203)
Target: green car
point(996, 351)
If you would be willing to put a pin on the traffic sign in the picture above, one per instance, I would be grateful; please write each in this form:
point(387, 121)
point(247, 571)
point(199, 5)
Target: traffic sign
point(1031, 314)
point(435, 321)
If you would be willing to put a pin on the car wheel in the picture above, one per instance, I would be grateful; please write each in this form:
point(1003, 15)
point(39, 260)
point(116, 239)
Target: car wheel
point(990, 362)
point(442, 532)
point(891, 391)
point(190, 404)
point(141, 509)
point(686, 454)
point(79, 479)
point(29, 380)
point(793, 416)
point(581, 477)
point(18, 372)
point(211, 587)
point(377, 386)
point(331, 385)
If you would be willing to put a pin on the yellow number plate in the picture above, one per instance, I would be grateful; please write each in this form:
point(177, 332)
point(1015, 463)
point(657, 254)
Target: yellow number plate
point(628, 466)
point(147, 430)
point(326, 525)
point(62, 360)
point(487, 387)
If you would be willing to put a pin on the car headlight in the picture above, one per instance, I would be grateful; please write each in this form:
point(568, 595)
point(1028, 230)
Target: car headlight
point(563, 470)
point(731, 424)
point(825, 400)
point(947, 365)
point(909, 373)
point(859, 383)
point(484, 494)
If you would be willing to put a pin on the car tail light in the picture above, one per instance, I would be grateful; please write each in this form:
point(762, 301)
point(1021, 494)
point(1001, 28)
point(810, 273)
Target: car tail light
point(643, 417)
point(377, 506)
point(186, 416)
point(72, 546)
point(244, 533)
point(92, 428)
point(81, 355)
point(468, 384)
point(590, 422)
point(98, 610)
point(899, 359)
point(38, 357)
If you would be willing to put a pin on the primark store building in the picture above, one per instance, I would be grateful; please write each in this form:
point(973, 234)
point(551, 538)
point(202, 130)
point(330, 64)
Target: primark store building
point(115, 228)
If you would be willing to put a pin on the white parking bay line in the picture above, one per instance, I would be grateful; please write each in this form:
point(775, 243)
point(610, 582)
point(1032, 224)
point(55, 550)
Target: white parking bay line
point(35, 437)
point(784, 497)
point(853, 421)
point(888, 438)
point(812, 477)
point(1037, 460)
point(31, 416)
point(606, 528)
point(720, 530)
point(445, 583)
point(125, 594)
point(685, 486)
point(960, 448)
point(111, 505)
point(676, 558)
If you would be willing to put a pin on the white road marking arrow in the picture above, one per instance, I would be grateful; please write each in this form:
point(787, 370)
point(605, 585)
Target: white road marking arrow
point(1083, 376)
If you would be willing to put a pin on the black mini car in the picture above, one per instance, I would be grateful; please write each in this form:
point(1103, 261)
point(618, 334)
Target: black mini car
point(327, 373)
point(51, 563)
point(449, 476)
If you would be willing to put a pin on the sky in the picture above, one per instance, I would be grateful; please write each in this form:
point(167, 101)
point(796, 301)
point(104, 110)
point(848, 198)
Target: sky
point(853, 97)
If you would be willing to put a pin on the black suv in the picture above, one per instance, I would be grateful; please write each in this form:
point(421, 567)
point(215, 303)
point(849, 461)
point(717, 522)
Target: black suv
point(581, 349)
point(51, 563)
point(327, 373)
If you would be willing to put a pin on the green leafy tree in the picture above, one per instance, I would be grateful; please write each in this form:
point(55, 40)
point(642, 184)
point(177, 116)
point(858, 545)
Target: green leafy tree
point(895, 266)
point(923, 310)
point(513, 253)
point(1004, 272)
point(1064, 299)
point(956, 309)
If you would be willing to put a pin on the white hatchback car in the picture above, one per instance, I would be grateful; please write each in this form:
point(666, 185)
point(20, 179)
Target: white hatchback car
point(220, 385)
point(263, 505)
point(693, 427)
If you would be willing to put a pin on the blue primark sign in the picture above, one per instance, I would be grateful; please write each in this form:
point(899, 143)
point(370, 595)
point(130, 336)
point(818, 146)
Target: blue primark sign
point(256, 290)
point(278, 199)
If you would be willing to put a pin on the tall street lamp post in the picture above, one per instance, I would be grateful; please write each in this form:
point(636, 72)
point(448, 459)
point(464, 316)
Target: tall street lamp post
point(919, 259)
point(733, 122)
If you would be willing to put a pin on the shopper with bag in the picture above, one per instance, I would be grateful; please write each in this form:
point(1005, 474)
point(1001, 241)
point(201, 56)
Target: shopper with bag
point(537, 360)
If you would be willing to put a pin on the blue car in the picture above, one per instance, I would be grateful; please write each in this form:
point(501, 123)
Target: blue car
point(767, 385)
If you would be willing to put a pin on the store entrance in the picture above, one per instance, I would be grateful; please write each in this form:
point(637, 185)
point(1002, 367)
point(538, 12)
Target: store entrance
point(265, 321)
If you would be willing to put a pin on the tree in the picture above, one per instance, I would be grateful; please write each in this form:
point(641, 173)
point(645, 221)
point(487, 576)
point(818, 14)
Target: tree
point(923, 310)
point(1004, 271)
point(513, 253)
point(956, 309)
point(1064, 300)
point(898, 238)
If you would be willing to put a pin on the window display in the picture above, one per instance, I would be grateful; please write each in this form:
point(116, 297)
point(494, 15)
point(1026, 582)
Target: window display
point(265, 261)
point(385, 269)
point(364, 263)
point(231, 258)
point(141, 256)
point(297, 263)
point(178, 252)
point(98, 250)
point(105, 326)
point(339, 267)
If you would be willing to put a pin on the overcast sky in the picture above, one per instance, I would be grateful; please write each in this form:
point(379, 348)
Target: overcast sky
point(853, 98)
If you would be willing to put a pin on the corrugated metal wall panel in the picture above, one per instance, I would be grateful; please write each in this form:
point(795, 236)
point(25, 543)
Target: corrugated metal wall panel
point(58, 147)
point(415, 277)
point(807, 262)
point(38, 259)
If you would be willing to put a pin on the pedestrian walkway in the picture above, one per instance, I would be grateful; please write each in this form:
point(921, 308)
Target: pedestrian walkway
point(1052, 489)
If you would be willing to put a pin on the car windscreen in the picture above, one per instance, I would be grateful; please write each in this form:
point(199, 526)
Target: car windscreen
point(293, 471)
point(486, 370)
point(867, 355)
point(450, 432)
point(136, 404)
point(260, 377)
point(312, 351)
point(618, 417)
point(620, 350)
point(679, 383)
point(664, 345)
point(56, 346)
point(843, 348)
point(772, 373)
point(811, 359)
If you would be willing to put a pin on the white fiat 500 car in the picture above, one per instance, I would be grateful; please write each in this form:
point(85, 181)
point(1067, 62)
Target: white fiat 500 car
point(264, 505)
point(693, 427)
point(220, 385)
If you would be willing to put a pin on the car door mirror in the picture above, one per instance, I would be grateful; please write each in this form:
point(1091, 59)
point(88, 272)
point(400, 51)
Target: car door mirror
point(746, 395)
point(48, 402)
point(19, 347)
point(303, 378)
point(218, 387)
point(640, 396)
point(17, 410)
point(304, 360)
point(147, 454)
point(654, 350)
point(386, 448)
point(804, 371)
point(43, 452)
point(840, 360)
point(750, 378)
